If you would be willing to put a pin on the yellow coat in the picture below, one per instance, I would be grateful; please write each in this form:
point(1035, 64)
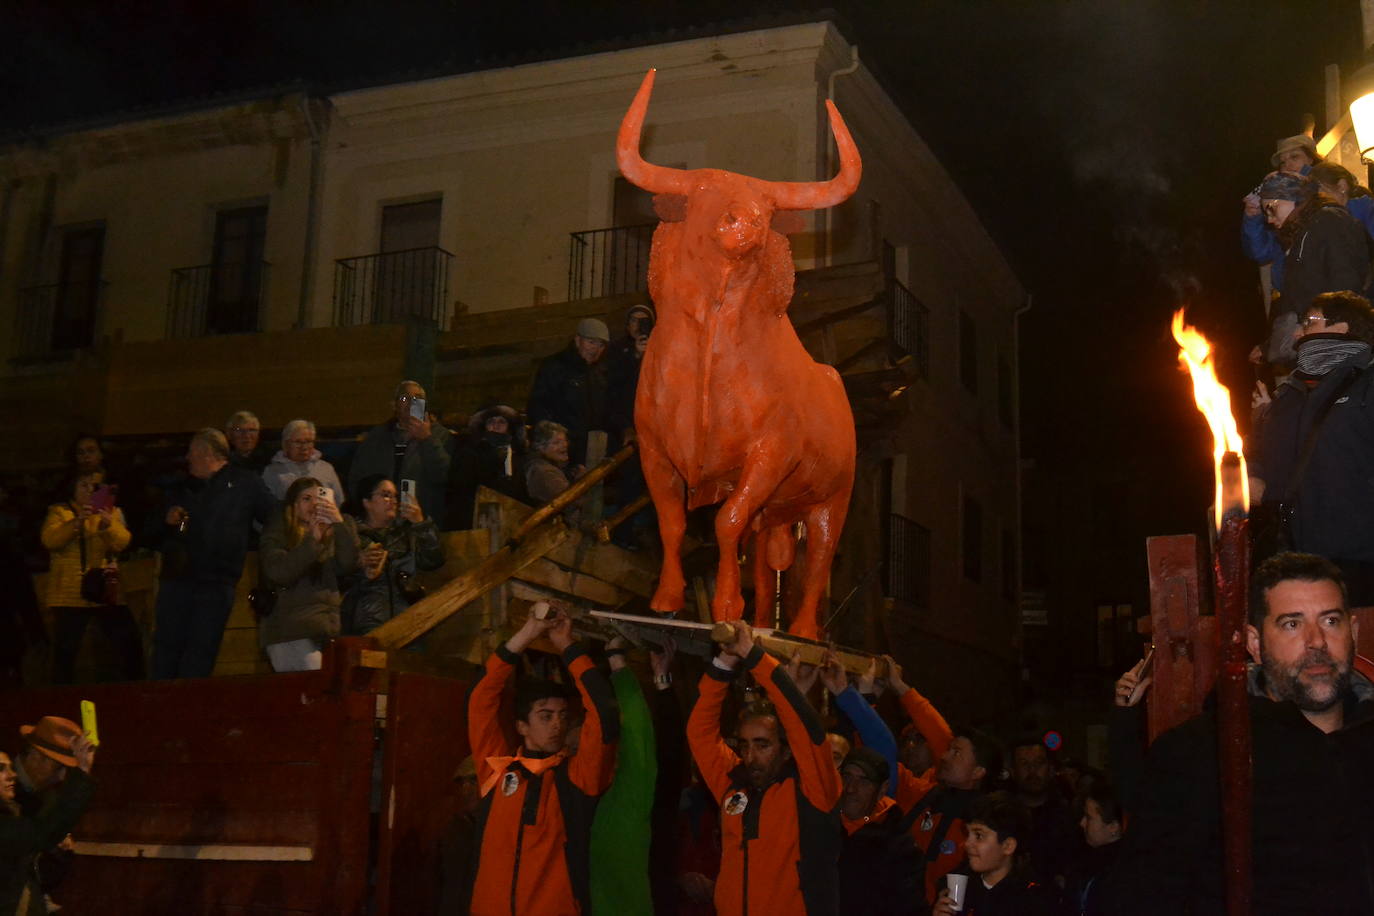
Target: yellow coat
point(59, 536)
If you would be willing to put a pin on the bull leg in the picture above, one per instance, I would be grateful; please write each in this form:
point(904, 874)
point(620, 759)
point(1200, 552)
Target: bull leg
point(669, 495)
point(760, 478)
point(823, 526)
point(765, 581)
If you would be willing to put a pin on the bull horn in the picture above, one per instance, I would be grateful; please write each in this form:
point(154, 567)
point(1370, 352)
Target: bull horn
point(817, 195)
point(653, 178)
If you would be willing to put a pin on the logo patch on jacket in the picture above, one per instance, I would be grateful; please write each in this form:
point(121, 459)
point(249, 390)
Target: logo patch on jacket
point(736, 802)
point(510, 783)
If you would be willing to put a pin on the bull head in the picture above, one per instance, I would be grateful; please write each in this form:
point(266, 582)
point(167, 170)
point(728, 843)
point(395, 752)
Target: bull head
point(782, 195)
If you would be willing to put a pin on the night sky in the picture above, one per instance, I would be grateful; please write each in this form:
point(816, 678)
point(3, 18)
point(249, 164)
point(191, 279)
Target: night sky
point(1106, 146)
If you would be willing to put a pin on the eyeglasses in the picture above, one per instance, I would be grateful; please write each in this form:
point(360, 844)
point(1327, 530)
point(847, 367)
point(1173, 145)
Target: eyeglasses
point(1311, 319)
point(389, 497)
point(244, 429)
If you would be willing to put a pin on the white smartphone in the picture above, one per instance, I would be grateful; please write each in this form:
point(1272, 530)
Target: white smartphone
point(407, 491)
point(324, 494)
point(417, 408)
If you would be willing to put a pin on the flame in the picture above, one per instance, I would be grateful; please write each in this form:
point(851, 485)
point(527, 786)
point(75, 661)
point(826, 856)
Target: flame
point(1214, 400)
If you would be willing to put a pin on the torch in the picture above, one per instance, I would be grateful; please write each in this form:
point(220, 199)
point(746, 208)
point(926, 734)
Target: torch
point(1231, 571)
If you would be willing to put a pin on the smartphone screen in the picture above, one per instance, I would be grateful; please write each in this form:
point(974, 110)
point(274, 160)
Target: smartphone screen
point(417, 408)
point(88, 722)
point(103, 497)
point(407, 491)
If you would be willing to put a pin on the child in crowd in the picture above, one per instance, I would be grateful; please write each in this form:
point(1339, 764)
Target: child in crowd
point(999, 884)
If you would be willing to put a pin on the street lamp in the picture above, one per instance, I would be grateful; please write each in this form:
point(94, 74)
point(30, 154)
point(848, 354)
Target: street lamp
point(1362, 110)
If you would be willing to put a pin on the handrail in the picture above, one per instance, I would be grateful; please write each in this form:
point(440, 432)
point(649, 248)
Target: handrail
point(574, 492)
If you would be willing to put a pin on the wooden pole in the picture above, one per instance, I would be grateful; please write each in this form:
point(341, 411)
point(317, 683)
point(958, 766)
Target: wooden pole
point(603, 530)
point(574, 492)
point(1231, 566)
point(427, 613)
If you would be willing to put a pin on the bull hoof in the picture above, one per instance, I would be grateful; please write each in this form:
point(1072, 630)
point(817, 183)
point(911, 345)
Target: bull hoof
point(667, 601)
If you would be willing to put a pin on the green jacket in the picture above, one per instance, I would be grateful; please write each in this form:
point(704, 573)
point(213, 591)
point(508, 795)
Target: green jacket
point(620, 832)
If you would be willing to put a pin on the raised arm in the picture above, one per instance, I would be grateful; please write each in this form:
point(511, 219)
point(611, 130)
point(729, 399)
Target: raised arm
point(714, 757)
point(636, 764)
point(820, 780)
point(922, 712)
point(594, 763)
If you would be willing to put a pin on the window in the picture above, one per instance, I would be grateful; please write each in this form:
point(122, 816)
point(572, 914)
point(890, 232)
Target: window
point(973, 539)
point(409, 269)
point(78, 287)
point(968, 351)
point(236, 271)
point(908, 562)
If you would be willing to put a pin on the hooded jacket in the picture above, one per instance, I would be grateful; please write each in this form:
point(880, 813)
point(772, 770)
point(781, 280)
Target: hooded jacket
point(779, 844)
point(281, 472)
point(535, 816)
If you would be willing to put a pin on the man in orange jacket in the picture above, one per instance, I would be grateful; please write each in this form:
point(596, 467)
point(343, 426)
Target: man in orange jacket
point(780, 831)
point(534, 820)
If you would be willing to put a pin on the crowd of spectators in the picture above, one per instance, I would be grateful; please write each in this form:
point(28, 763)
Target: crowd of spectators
point(333, 559)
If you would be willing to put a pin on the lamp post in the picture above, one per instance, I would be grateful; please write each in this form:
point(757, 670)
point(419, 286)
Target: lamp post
point(1362, 110)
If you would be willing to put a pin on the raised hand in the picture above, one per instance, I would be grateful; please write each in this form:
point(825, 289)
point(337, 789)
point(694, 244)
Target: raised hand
point(1131, 687)
point(833, 675)
point(803, 675)
point(894, 676)
point(662, 661)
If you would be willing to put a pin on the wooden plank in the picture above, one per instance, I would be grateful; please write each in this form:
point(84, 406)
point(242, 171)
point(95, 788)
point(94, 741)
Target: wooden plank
point(552, 576)
point(235, 852)
point(277, 826)
point(427, 613)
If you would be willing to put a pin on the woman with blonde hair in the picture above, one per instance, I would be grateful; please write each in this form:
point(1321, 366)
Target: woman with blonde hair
point(82, 536)
point(304, 551)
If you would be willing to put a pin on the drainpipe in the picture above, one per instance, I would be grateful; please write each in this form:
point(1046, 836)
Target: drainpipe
point(6, 207)
point(312, 213)
point(827, 214)
point(1020, 483)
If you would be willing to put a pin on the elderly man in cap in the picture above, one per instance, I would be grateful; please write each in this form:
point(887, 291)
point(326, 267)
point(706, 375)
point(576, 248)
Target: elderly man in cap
point(45, 791)
point(571, 387)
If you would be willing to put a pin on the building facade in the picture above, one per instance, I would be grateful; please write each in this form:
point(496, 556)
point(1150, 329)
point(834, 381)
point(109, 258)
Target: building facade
point(297, 253)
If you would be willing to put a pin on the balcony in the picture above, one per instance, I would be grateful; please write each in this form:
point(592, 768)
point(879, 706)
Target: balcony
point(391, 287)
point(609, 262)
point(908, 562)
point(217, 299)
point(908, 324)
point(57, 319)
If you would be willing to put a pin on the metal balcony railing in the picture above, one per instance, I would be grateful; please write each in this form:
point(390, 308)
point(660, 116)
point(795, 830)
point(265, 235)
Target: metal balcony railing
point(908, 324)
point(608, 262)
point(390, 287)
point(217, 299)
point(908, 561)
point(57, 318)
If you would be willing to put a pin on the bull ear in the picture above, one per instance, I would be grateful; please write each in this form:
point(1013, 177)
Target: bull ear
point(788, 222)
point(671, 208)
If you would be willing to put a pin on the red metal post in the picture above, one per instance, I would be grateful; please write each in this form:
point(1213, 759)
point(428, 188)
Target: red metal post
point(1231, 564)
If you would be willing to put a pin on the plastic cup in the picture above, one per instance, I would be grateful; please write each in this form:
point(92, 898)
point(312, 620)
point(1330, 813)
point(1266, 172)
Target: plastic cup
point(958, 886)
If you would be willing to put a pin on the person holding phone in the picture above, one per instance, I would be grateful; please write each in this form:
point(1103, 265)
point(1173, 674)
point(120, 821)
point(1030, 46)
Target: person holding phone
point(305, 550)
point(396, 541)
point(85, 533)
point(412, 445)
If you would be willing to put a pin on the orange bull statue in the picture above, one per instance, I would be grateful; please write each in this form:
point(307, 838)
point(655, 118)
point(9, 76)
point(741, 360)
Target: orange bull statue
point(731, 409)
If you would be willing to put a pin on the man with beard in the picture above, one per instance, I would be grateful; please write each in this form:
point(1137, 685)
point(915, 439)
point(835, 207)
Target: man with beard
point(1313, 454)
point(1308, 851)
point(780, 833)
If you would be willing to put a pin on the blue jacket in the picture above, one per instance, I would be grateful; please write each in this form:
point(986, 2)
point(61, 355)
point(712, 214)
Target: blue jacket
point(1261, 244)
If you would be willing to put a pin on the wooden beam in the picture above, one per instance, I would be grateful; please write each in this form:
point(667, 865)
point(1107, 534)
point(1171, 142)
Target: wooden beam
point(219, 852)
point(571, 582)
point(603, 530)
point(429, 612)
point(574, 492)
